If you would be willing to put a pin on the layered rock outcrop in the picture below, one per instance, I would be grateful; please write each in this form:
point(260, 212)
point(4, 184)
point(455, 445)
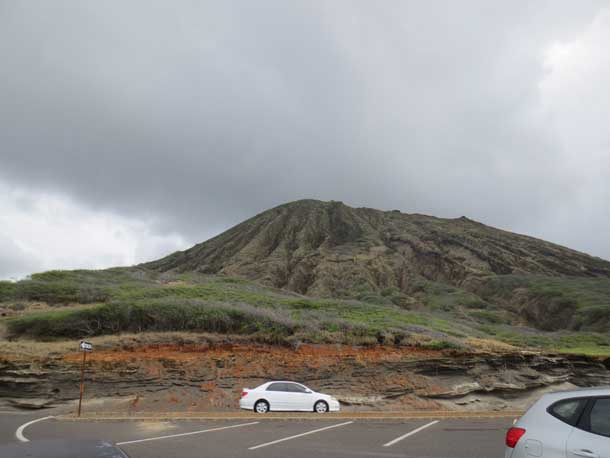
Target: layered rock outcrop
point(211, 376)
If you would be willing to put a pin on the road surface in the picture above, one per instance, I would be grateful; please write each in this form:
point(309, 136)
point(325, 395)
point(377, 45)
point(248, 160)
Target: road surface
point(298, 438)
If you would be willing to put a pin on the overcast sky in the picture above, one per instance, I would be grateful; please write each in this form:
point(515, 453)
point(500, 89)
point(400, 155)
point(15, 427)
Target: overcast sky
point(131, 129)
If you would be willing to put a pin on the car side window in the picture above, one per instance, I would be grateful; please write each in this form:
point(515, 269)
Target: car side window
point(297, 388)
point(568, 410)
point(600, 417)
point(277, 387)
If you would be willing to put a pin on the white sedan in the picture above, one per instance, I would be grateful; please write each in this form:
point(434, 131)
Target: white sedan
point(286, 396)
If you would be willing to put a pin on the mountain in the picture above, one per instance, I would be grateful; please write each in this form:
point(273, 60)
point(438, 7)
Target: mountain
point(325, 272)
point(331, 249)
point(376, 303)
point(328, 249)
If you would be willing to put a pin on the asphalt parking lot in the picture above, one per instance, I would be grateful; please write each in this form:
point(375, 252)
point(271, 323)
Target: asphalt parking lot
point(332, 437)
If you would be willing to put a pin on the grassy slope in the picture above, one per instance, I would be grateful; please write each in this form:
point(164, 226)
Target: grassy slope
point(129, 300)
point(89, 303)
point(579, 304)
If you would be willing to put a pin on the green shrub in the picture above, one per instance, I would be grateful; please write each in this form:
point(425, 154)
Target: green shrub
point(162, 315)
point(484, 316)
point(476, 303)
point(593, 318)
point(389, 292)
point(7, 291)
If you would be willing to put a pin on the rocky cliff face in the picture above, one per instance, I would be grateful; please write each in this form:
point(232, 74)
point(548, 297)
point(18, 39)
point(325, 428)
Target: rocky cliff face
point(211, 376)
point(330, 249)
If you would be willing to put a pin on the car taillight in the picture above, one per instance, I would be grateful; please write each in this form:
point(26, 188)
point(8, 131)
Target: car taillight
point(243, 393)
point(513, 435)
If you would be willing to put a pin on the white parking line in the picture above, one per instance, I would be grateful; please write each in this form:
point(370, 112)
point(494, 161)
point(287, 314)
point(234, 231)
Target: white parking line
point(19, 432)
point(299, 435)
point(415, 431)
point(186, 434)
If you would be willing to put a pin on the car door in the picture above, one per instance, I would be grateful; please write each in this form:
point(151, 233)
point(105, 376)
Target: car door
point(591, 437)
point(301, 398)
point(547, 435)
point(277, 395)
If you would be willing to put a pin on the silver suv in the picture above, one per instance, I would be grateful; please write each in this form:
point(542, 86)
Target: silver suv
point(569, 424)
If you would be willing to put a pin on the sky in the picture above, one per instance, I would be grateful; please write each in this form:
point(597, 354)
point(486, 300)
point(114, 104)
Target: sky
point(131, 129)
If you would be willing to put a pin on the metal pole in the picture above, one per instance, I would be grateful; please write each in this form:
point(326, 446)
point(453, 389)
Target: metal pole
point(82, 381)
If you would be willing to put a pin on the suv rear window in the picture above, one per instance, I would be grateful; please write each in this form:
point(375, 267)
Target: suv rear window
point(600, 417)
point(568, 410)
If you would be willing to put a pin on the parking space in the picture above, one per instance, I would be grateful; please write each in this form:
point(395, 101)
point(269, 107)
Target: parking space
point(123, 431)
point(446, 438)
point(457, 438)
point(328, 437)
point(356, 437)
point(233, 443)
point(472, 439)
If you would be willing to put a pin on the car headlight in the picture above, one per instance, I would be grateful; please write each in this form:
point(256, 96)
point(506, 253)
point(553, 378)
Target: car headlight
point(332, 398)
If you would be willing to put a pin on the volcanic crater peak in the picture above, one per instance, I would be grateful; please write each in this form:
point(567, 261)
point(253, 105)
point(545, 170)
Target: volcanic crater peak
point(329, 249)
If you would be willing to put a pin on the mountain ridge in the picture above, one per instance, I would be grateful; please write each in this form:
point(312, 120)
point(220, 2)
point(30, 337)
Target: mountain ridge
point(330, 249)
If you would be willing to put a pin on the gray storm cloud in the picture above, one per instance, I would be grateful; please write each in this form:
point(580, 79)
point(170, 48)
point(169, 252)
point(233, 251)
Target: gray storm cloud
point(194, 115)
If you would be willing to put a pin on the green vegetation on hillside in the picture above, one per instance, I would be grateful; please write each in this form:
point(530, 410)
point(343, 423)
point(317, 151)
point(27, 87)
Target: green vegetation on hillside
point(553, 303)
point(586, 343)
point(77, 304)
point(57, 287)
point(131, 300)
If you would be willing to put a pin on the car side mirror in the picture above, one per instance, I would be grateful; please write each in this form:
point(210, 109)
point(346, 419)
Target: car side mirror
point(308, 391)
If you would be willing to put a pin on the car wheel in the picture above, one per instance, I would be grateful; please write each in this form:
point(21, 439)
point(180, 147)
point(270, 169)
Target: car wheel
point(320, 407)
point(261, 407)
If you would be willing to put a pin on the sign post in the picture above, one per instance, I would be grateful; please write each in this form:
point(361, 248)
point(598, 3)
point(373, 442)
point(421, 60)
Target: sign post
point(85, 347)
